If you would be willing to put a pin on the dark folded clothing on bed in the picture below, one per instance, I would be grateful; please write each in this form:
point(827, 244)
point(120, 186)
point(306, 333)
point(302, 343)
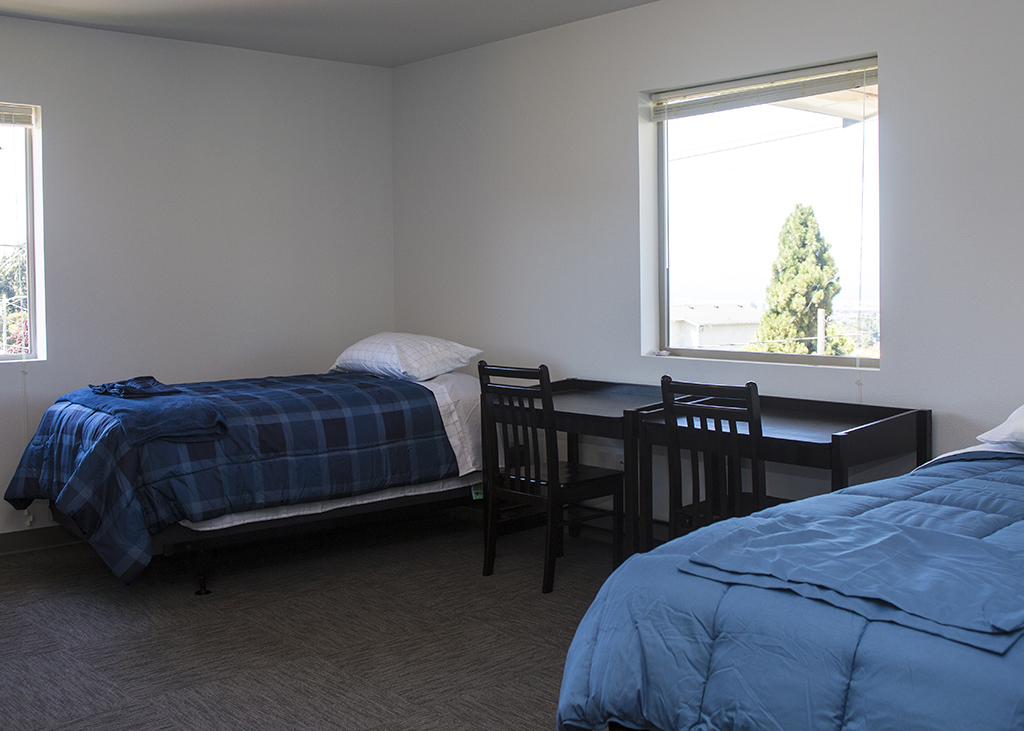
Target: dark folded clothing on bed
point(138, 387)
point(174, 416)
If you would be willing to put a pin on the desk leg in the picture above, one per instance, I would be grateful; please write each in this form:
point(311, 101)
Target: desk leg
point(639, 484)
point(572, 448)
point(630, 436)
point(572, 456)
point(840, 464)
point(646, 498)
point(924, 437)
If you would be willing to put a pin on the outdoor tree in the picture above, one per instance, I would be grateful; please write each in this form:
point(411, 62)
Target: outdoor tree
point(14, 301)
point(805, 279)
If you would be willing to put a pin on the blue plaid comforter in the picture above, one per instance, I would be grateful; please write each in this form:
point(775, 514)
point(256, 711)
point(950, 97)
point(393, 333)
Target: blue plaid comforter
point(287, 440)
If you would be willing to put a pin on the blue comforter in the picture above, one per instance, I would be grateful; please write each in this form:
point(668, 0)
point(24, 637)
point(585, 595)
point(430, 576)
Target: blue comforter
point(273, 441)
point(897, 604)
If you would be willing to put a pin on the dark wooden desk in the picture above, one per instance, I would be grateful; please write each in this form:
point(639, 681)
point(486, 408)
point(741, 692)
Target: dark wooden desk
point(827, 435)
point(599, 409)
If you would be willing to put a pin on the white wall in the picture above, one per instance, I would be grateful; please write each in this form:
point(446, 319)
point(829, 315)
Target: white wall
point(209, 213)
point(518, 179)
point(216, 213)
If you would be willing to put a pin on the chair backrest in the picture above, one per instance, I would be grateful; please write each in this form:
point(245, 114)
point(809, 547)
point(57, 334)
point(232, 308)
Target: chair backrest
point(520, 443)
point(720, 426)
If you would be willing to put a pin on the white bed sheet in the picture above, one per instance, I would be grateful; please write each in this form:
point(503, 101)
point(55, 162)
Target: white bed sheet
point(458, 399)
point(291, 511)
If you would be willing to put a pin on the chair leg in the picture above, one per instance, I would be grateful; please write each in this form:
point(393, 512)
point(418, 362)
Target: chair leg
point(757, 478)
point(696, 519)
point(618, 519)
point(730, 489)
point(574, 524)
point(551, 545)
point(490, 533)
point(675, 500)
point(713, 487)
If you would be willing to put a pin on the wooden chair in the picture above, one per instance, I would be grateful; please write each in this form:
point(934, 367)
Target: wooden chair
point(522, 466)
point(720, 427)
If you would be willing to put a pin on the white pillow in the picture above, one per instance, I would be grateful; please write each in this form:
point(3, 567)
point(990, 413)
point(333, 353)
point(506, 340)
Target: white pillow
point(402, 355)
point(1010, 431)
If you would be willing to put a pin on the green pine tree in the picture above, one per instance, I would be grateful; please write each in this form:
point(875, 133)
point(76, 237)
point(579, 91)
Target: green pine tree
point(805, 279)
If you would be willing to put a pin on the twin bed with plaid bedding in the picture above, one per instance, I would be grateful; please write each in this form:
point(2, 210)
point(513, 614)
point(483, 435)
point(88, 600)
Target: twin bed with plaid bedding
point(123, 469)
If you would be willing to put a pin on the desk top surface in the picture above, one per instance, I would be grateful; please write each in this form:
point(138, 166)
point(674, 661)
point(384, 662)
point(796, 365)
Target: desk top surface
point(600, 398)
point(801, 420)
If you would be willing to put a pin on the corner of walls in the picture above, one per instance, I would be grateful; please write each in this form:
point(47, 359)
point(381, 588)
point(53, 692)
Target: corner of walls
point(251, 237)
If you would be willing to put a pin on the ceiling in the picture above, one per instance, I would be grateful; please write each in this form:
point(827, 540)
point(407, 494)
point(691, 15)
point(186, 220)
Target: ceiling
point(385, 33)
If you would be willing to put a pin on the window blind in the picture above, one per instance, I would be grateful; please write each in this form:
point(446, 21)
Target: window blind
point(783, 86)
point(17, 115)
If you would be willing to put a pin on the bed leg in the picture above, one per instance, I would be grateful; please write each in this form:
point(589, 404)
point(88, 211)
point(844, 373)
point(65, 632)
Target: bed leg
point(204, 566)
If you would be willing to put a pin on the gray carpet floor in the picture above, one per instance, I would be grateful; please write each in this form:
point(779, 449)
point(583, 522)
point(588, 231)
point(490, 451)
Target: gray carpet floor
point(382, 628)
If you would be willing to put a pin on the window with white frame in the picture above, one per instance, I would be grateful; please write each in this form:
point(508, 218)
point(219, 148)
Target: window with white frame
point(21, 306)
point(769, 202)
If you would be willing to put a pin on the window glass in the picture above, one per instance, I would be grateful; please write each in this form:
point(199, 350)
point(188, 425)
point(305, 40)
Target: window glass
point(19, 330)
point(771, 218)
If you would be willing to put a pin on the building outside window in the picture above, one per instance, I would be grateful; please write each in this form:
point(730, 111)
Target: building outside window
point(21, 304)
point(770, 243)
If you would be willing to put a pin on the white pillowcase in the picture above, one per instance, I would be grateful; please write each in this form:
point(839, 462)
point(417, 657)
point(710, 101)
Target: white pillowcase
point(1010, 431)
point(403, 355)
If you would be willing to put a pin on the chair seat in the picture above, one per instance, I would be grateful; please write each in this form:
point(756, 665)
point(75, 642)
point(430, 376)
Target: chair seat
point(580, 473)
point(584, 481)
point(578, 482)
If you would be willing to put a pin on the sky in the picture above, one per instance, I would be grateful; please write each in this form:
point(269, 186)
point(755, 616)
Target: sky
point(12, 187)
point(735, 176)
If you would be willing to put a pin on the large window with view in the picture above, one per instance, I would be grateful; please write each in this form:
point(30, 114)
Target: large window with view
point(21, 309)
point(770, 217)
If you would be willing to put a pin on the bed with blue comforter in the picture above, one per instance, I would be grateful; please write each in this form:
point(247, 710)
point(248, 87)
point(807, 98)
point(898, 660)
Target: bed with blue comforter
point(125, 460)
point(896, 604)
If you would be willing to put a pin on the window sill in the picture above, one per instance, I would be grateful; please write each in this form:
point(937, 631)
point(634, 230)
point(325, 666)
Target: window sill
point(791, 359)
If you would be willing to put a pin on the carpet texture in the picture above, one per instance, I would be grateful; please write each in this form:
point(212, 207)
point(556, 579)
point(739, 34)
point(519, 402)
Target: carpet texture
point(377, 628)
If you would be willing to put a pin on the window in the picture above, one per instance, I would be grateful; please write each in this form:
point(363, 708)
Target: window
point(769, 198)
point(21, 307)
